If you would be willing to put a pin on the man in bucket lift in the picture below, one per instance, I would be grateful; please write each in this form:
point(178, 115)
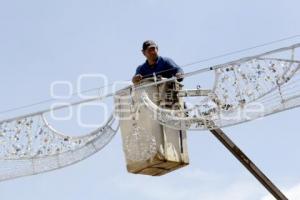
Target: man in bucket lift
point(156, 65)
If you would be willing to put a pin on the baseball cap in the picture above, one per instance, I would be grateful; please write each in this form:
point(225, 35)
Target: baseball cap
point(149, 43)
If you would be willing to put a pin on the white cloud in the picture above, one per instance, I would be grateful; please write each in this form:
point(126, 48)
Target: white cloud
point(196, 184)
point(193, 185)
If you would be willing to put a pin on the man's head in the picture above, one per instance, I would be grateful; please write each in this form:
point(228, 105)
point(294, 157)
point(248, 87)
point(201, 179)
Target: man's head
point(150, 50)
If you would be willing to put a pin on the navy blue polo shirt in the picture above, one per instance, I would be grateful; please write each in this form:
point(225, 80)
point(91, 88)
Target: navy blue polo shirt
point(164, 66)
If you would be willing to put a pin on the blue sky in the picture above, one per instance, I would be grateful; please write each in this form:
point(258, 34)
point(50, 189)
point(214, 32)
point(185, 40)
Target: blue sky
point(46, 41)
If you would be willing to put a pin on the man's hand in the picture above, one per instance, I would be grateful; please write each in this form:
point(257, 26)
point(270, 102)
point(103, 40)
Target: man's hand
point(179, 76)
point(137, 79)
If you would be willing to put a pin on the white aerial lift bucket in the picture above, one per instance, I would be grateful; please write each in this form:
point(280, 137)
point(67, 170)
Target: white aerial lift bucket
point(150, 148)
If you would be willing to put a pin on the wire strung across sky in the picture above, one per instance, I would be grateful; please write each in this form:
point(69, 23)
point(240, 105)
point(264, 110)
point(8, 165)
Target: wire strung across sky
point(31, 145)
point(183, 66)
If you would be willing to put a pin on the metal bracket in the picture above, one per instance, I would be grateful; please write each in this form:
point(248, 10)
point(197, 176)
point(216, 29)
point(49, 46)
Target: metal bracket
point(193, 93)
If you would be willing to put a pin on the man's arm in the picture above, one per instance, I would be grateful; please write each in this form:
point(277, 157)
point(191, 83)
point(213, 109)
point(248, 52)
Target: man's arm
point(175, 69)
point(136, 79)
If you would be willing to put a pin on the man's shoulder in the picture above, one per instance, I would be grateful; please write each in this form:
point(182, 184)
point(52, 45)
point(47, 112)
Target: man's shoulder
point(140, 68)
point(168, 61)
point(165, 59)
